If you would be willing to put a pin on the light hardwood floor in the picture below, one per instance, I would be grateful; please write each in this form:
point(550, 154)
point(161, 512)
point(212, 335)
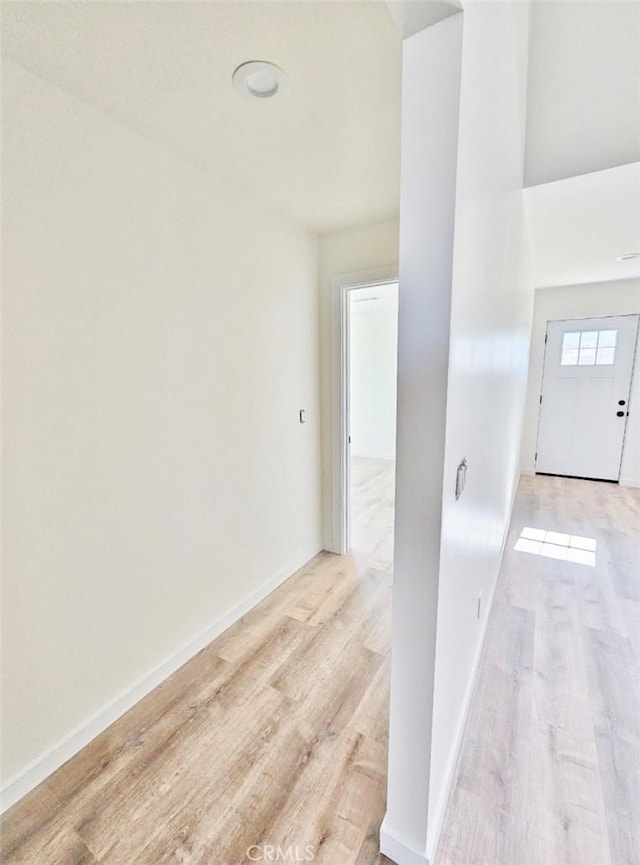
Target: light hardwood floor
point(276, 733)
point(549, 772)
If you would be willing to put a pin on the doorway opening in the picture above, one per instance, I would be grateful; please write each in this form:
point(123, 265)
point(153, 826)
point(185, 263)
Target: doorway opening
point(584, 400)
point(371, 349)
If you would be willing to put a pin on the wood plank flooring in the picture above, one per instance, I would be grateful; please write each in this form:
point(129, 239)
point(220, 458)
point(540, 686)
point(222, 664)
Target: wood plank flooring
point(276, 733)
point(549, 771)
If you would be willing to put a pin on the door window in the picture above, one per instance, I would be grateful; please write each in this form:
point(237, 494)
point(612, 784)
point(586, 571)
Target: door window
point(589, 347)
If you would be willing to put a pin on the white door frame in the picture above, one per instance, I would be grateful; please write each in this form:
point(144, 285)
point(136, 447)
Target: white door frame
point(340, 287)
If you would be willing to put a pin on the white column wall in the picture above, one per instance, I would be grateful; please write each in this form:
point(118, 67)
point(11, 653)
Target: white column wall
point(464, 324)
point(430, 93)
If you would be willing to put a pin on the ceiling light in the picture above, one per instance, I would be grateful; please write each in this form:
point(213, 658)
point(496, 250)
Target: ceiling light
point(259, 79)
point(629, 256)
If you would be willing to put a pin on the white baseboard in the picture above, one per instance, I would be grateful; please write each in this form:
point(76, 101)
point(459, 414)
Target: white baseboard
point(450, 772)
point(527, 470)
point(330, 547)
point(629, 482)
point(398, 851)
point(43, 766)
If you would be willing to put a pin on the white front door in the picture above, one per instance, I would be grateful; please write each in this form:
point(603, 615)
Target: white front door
point(585, 396)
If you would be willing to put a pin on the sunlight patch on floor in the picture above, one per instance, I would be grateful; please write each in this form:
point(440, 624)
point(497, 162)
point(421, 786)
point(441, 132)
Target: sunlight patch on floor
point(557, 545)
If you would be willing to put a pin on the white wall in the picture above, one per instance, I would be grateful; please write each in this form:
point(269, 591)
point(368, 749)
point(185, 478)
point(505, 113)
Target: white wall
point(492, 303)
point(373, 328)
point(581, 301)
point(447, 552)
point(160, 338)
point(584, 81)
point(366, 252)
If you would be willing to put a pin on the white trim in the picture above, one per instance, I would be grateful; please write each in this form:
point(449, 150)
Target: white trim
point(40, 769)
point(398, 851)
point(539, 418)
point(345, 415)
point(629, 482)
point(452, 764)
point(340, 284)
point(528, 470)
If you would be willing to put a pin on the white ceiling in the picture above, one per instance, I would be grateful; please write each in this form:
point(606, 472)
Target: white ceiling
point(326, 154)
point(583, 105)
point(580, 226)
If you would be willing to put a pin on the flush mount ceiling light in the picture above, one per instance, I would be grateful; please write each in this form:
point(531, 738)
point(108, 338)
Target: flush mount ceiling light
point(259, 79)
point(629, 256)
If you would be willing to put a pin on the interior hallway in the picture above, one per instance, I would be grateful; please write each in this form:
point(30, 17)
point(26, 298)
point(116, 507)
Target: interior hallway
point(548, 772)
point(276, 733)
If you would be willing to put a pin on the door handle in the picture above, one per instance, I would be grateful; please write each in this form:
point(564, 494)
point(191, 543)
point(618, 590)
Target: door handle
point(619, 414)
point(622, 402)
